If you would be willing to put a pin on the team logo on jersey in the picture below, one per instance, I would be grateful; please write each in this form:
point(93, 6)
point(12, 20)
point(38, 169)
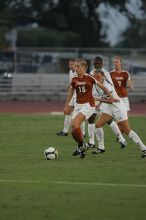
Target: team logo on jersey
point(119, 78)
point(81, 83)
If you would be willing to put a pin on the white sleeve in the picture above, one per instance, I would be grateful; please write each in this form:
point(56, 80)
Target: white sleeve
point(92, 72)
point(129, 78)
point(107, 76)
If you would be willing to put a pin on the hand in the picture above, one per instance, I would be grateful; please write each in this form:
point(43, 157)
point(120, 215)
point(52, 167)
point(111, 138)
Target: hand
point(115, 100)
point(65, 110)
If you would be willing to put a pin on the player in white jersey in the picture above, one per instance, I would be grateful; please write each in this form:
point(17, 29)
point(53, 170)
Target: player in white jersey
point(98, 64)
point(67, 119)
point(117, 111)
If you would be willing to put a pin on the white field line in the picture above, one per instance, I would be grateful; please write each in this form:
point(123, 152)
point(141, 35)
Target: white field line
point(76, 183)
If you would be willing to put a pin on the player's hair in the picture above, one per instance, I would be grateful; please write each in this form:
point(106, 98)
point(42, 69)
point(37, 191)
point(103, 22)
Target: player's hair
point(82, 62)
point(118, 58)
point(72, 60)
point(99, 71)
point(98, 58)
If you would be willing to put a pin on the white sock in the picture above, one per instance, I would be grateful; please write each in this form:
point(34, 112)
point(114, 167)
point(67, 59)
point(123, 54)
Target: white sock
point(117, 132)
point(100, 138)
point(82, 126)
point(91, 130)
point(132, 135)
point(67, 121)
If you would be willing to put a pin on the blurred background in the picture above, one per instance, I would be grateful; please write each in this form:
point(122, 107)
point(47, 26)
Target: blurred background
point(38, 37)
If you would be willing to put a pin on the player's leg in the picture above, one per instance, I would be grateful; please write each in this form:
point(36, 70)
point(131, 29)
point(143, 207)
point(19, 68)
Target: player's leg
point(133, 136)
point(80, 114)
point(82, 126)
point(77, 135)
point(101, 121)
point(67, 122)
point(91, 130)
point(100, 139)
point(115, 128)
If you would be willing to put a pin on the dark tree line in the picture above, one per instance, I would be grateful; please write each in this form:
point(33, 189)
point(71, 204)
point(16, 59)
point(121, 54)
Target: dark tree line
point(66, 23)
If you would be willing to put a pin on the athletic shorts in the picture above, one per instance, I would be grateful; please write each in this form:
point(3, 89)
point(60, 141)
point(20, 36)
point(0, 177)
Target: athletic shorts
point(86, 109)
point(126, 102)
point(117, 111)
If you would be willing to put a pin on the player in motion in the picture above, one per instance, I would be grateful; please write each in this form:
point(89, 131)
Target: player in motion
point(68, 113)
point(121, 80)
point(98, 65)
point(85, 104)
point(117, 111)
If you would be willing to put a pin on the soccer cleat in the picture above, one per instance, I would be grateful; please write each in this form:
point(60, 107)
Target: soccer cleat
point(143, 154)
point(62, 133)
point(77, 151)
point(84, 148)
point(82, 154)
point(80, 151)
point(98, 151)
point(89, 145)
point(123, 145)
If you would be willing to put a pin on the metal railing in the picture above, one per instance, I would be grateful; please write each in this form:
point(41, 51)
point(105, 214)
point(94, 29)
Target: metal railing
point(55, 60)
point(53, 87)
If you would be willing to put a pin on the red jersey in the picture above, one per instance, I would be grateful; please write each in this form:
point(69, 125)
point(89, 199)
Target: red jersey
point(83, 87)
point(120, 82)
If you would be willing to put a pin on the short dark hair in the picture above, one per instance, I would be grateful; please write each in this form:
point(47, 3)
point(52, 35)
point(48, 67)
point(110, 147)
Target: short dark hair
point(98, 58)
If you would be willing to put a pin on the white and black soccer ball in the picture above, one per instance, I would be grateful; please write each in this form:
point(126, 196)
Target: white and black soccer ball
point(51, 153)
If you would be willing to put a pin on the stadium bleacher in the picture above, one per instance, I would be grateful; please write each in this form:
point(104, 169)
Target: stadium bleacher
point(53, 87)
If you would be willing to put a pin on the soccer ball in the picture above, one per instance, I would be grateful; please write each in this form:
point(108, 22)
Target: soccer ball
point(51, 153)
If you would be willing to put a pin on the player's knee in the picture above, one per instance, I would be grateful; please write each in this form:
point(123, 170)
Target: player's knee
point(126, 130)
point(109, 122)
point(75, 125)
point(97, 125)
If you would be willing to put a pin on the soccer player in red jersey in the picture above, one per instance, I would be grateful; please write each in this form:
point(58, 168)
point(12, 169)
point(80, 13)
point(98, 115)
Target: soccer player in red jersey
point(121, 80)
point(85, 104)
point(68, 114)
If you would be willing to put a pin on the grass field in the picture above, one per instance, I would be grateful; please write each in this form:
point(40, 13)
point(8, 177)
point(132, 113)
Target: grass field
point(111, 186)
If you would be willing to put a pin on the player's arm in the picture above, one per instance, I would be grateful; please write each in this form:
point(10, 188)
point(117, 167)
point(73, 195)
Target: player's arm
point(106, 91)
point(130, 85)
point(69, 97)
point(100, 100)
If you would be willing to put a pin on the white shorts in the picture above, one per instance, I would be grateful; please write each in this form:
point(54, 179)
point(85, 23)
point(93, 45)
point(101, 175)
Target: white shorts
point(73, 101)
point(86, 109)
point(118, 110)
point(126, 102)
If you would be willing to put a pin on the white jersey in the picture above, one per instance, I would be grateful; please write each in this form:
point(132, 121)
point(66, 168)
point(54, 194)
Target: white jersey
point(97, 92)
point(117, 109)
point(71, 75)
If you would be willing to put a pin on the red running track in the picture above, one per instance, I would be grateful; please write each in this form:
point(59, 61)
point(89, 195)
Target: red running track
point(47, 107)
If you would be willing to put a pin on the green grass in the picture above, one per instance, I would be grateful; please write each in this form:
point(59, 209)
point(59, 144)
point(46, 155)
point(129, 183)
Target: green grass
point(111, 186)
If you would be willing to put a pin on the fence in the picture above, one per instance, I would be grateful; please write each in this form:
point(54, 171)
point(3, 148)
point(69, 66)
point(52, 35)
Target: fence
point(55, 60)
point(49, 87)
point(36, 71)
